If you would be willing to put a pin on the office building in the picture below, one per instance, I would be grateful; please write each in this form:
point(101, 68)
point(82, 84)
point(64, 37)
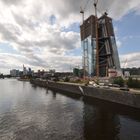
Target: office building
point(108, 64)
point(14, 73)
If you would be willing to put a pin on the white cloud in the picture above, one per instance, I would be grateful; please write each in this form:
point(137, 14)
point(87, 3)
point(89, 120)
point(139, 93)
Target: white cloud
point(130, 60)
point(117, 9)
point(130, 37)
point(119, 43)
point(41, 61)
point(26, 25)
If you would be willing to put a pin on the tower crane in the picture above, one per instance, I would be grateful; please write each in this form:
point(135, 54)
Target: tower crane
point(97, 45)
point(82, 11)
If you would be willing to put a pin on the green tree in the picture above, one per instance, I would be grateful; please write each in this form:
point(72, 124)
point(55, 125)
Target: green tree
point(133, 83)
point(119, 81)
point(67, 79)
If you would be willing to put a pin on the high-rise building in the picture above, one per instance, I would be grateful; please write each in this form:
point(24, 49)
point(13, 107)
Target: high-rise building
point(107, 48)
point(14, 73)
point(88, 42)
point(25, 72)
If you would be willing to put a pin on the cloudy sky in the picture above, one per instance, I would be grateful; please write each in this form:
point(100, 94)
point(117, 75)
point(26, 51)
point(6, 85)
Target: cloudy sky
point(44, 34)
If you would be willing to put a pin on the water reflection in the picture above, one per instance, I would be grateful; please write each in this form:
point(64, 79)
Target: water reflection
point(54, 94)
point(33, 113)
point(99, 124)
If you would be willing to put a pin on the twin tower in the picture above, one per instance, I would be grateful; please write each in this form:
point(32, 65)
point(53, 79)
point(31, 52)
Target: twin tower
point(108, 60)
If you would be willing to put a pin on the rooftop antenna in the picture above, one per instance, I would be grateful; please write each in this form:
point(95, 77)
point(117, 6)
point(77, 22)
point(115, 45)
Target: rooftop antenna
point(97, 45)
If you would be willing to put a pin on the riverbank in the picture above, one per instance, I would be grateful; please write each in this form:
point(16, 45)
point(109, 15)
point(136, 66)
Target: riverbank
point(127, 98)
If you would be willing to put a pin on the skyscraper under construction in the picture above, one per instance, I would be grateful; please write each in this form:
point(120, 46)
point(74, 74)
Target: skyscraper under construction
point(106, 54)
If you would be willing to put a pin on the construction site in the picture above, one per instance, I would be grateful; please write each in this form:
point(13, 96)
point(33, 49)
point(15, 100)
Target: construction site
point(100, 55)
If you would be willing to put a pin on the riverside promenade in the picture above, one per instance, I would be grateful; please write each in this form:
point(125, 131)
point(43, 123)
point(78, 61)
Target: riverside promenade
point(127, 98)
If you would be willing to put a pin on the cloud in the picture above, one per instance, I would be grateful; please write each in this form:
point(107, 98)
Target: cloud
point(119, 43)
point(131, 59)
point(9, 2)
point(60, 63)
point(8, 33)
point(116, 9)
point(35, 29)
point(130, 37)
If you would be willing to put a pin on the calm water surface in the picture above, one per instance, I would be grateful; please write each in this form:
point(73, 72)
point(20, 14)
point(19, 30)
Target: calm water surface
point(33, 113)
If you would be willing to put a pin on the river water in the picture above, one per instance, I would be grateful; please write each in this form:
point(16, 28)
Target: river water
point(34, 113)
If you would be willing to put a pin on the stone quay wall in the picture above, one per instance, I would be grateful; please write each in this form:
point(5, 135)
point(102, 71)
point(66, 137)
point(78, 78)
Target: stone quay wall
point(112, 95)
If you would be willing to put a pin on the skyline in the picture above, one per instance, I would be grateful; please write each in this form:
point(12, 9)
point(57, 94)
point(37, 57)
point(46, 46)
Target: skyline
point(45, 35)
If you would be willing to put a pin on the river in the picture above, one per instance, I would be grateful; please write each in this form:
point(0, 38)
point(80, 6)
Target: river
point(34, 113)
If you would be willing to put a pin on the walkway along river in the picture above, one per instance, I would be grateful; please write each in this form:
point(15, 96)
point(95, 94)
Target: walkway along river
point(28, 112)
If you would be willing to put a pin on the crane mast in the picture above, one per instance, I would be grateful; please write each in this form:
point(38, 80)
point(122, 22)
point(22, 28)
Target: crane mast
point(97, 43)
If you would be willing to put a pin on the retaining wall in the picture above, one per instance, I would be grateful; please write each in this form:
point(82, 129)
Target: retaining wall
point(117, 96)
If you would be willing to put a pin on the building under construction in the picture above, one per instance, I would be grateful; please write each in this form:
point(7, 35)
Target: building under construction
point(106, 54)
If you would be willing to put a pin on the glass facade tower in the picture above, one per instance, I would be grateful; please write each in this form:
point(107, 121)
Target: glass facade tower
point(88, 42)
point(89, 55)
point(108, 53)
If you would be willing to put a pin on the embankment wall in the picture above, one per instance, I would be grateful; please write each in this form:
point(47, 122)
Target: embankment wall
point(116, 96)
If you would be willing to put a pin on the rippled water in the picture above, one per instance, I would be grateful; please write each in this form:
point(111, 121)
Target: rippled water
point(33, 113)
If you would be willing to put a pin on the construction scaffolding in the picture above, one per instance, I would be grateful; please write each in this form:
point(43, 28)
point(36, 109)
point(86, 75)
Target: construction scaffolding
point(100, 53)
